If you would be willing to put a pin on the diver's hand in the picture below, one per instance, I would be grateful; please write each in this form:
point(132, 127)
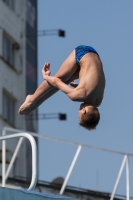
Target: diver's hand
point(46, 70)
point(73, 84)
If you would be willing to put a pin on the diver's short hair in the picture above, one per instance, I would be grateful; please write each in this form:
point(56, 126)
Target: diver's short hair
point(90, 119)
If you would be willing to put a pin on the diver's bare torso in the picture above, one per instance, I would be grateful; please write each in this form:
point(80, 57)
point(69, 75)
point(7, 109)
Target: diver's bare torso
point(91, 80)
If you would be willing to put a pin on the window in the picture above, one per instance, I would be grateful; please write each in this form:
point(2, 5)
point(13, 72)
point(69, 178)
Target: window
point(8, 50)
point(8, 108)
point(10, 3)
point(9, 47)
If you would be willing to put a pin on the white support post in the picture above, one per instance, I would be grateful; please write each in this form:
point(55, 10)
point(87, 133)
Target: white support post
point(3, 160)
point(127, 179)
point(119, 176)
point(70, 169)
point(13, 158)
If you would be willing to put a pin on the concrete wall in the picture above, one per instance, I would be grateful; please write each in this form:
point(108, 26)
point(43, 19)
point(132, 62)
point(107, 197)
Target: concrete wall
point(13, 80)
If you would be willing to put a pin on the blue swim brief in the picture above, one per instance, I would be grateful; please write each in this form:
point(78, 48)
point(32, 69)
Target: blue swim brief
point(81, 51)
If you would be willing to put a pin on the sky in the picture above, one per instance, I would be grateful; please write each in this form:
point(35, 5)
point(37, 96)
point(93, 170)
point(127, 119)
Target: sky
point(106, 26)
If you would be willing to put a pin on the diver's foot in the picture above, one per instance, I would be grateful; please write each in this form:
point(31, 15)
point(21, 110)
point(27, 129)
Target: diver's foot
point(26, 106)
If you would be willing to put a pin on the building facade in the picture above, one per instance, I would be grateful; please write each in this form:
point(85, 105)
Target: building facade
point(18, 74)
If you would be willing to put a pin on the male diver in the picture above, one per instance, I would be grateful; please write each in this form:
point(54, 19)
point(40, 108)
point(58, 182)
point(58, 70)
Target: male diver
point(84, 64)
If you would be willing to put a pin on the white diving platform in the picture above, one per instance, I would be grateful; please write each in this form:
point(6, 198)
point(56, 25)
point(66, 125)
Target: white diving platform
point(17, 194)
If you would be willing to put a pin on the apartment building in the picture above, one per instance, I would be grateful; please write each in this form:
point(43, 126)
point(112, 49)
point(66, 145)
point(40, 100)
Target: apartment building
point(18, 74)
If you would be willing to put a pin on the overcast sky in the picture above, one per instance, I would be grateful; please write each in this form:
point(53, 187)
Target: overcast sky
point(107, 26)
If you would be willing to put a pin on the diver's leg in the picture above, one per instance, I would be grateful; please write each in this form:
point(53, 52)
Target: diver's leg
point(66, 71)
point(49, 94)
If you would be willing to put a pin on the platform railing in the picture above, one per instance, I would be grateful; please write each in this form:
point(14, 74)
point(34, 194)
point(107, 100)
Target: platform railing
point(125, 161)
point(34, 155)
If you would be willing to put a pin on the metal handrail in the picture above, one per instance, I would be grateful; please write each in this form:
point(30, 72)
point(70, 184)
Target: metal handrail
point(34, 157)
point(80, 146)
point(65, 141)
